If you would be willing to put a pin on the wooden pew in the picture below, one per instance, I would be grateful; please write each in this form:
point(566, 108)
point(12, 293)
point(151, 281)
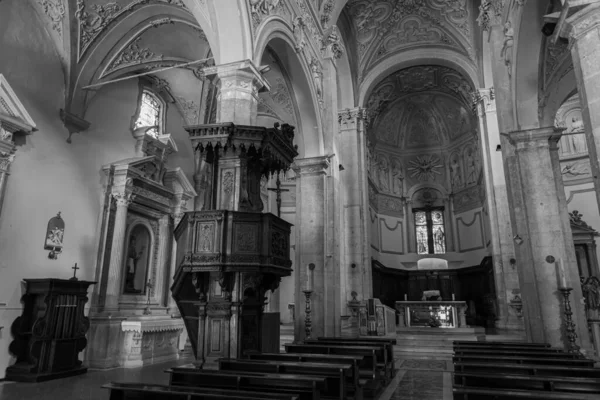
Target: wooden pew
point(500, 344)
point(145, 391)
point(387, 350)
point(524, 353)
point(525, 382)
point(472, 393)
point(370, 361)
point(306, 387)
point(510, 348)
point(577, 362)
point(526, 369)
point(370, 339)
point(338, 374)
point(357, 361)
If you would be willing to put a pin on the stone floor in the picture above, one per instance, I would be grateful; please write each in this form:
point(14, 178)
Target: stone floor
point(420, 379)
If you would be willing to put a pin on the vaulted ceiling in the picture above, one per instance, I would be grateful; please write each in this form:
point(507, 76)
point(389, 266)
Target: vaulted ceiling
point(421, 107)
point(385, 27)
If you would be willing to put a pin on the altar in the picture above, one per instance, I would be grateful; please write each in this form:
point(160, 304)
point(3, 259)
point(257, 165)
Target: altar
point(435, 314)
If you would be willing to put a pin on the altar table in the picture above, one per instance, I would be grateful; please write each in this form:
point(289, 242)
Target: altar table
point(450, 314)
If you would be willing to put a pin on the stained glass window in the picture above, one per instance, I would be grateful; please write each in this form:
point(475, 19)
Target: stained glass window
point(150, 112)
point(429, 231)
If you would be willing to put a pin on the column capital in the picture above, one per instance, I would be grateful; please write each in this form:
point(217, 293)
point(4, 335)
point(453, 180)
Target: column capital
point(484, 101)
point(123, 199)
point(242, 75)
point(312, 165)
point(5, 160)
point(351, 116)
point(581, 22)
point(537, 135)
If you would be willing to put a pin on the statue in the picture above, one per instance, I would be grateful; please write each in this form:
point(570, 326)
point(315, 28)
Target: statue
point(397, 177)
point(591, 292)
point(317, 77)
point(133, 257)
point(384, 174)
point(507, 48)
point(471, 168)
point(439, 240)
point(455, 174)
point(299, 35)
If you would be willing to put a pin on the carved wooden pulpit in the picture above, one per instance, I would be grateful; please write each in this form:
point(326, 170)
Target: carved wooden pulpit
point(230, 253)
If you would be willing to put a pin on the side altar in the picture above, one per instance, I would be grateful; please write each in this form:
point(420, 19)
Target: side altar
point(230, 253)
point(434, 313)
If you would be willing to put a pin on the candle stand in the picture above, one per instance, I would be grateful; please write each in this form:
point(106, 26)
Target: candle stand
point(307, 310)
point(570, 326)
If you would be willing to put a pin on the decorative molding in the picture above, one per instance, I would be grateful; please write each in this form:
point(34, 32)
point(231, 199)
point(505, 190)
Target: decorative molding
point(132, 54)
point(310, 22)
point(400, 243)
point(350, 116)
point(327, 10)
point(281, 96)
point(13, 115)
point(332, 42)
point(260, 9)
point(55, 10)
point(93, 21)
point(189, 110)
point(425, 168)
point(490, 13)
point(476, 217)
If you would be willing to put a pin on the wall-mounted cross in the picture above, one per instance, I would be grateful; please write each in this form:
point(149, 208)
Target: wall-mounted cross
point(74, 268)
point(278, 190)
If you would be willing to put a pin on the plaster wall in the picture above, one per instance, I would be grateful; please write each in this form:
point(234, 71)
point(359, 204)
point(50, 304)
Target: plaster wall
point(50, 175)
point(388, 242)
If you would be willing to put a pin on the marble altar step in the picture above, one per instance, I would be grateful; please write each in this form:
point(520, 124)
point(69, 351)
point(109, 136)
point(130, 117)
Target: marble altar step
point(432, 343)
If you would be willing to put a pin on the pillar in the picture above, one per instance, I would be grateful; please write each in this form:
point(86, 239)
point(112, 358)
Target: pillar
point(7, 156)
point(544, 235)
point(506, 278)
point(114, 284)
point(583, 31)
point(239, 84)
point(355, 205)
point(311, 177)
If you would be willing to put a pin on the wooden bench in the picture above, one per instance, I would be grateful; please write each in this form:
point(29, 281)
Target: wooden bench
point(526, 369)
point(144, 391)
point(525, 382)
point(510, 348)
point(578, 362)
point(387, 350)
point(369, 368)
point(339, 375)
point(306, 387)
point(356, 360)
point(471, 393)
point(499, 344)
point(370, 339)
point(524, 353)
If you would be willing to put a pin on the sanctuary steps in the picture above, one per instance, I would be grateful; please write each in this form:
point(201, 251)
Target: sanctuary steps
point(432, 343)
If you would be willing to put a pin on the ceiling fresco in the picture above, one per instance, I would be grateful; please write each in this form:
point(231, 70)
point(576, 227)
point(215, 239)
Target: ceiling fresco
point(384, 27)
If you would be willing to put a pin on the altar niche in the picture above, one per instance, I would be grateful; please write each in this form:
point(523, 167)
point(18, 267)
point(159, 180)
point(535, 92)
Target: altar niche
point(139, 248)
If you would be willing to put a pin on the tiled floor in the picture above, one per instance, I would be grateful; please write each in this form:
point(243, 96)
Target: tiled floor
point(418, 379)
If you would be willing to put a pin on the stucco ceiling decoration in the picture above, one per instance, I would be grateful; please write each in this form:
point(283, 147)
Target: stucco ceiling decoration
point(94, 16)
point(131, 55)
point(419, 107)
point(55, 11)
point(386, 26)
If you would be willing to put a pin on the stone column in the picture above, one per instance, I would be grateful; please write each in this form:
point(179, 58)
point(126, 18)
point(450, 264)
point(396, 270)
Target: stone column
point(164, 253)
point(114, 284)
point(239, 84)
point(311, 176)
point(544, 236)
point(355, 203)
point(583, 31)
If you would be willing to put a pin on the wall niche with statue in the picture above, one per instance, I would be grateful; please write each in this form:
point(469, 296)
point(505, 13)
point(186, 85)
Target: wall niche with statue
point(140, 246)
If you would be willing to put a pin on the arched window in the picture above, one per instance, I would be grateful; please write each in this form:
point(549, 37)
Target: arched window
point(429, 231)
point(150, 113)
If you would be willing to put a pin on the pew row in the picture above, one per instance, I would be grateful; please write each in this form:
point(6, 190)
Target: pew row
point(527, 382)
point(143, 391)
point(473, 393)
point(306, 387)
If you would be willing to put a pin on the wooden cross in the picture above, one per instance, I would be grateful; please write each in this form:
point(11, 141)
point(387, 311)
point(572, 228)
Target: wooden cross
point(278, 190)
point(75, 268)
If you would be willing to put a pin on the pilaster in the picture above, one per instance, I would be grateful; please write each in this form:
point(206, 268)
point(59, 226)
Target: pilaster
point(311, 176)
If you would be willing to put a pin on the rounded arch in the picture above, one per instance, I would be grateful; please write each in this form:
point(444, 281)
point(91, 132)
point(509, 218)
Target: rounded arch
point(233, 29)
point(560, 92)
point(277, 34)
point(414, 57)
point(429, 185)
